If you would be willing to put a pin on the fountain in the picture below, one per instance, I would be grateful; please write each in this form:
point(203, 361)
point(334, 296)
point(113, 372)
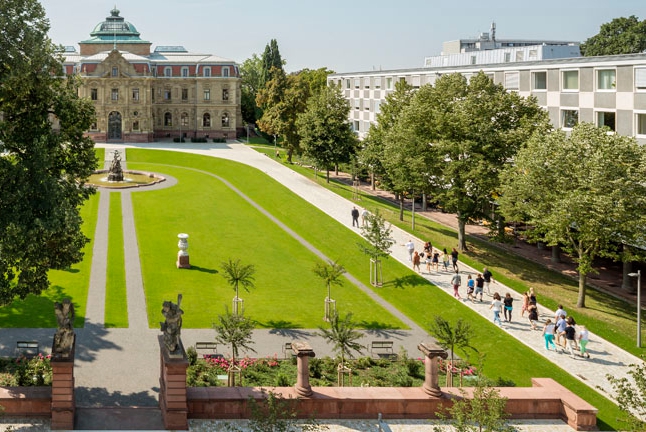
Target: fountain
point(116, 178)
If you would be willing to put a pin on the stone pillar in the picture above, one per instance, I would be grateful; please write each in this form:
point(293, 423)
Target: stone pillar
point(172, 387)
point(303, 353)
point(431, 353)
point(63, 402)
point(182, 255)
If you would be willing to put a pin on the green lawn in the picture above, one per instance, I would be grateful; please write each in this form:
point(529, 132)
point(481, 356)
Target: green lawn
point(116, 301)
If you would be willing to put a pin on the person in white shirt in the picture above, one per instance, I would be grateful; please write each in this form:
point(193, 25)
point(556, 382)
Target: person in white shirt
point(584, 336)
point(548, 333)
point(496, 305)
point(559, 312)
point(410, 246)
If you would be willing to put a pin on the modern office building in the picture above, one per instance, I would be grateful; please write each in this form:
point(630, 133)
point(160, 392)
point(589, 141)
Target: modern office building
point(607, 90)
point(141, 95)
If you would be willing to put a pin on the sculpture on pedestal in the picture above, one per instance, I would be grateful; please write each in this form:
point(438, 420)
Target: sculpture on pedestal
point(116, 172)
point(172, 327)
point(64, 338)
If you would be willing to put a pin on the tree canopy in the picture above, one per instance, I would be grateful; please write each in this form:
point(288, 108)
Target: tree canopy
point(619, 36)
point(44, 157)
point(325, 132)
point(584, 192)
point(271, 59)
point(251, 82)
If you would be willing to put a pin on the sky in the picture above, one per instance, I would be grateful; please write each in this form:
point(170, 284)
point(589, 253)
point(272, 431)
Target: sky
point(344, 36)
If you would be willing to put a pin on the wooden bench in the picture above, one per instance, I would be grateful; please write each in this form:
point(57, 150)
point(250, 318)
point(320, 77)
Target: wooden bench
point(287, 350)
point(382, 349)
point(27, 348)
point(206, 346)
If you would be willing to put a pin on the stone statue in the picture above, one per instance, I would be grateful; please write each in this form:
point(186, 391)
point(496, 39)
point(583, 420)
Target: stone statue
point(64, 338)
point(115, 173)
point(172, 327)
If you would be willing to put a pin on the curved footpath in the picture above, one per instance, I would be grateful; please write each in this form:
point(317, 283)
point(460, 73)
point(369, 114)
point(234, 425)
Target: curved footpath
point(119, 367)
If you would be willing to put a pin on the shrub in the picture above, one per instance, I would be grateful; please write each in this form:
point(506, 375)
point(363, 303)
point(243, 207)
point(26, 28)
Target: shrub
point(191, 354)
point(219, 140)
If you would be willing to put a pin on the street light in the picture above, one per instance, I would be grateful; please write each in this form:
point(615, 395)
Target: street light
point(638, 275)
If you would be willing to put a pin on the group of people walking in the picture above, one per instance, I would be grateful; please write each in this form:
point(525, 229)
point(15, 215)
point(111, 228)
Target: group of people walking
point(563, 332)
point(431, 257)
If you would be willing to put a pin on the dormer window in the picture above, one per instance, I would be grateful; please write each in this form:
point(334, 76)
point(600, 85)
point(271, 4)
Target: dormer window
point(207, 71)
point(115, 71)
point(184, 72)
point(168, 72)
point(225, 71)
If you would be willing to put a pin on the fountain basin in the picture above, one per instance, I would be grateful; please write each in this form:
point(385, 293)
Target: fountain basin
point(131, 179)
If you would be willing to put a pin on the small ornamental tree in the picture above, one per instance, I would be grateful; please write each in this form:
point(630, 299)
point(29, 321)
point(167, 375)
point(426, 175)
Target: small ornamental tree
point(343, 335)
point(238, 274)
point(331, 274)
point(236, 331)
point(378, 236)
point(451, 338)
point(630, 395)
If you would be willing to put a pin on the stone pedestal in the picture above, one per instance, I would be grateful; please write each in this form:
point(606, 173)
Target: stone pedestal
point(172, 387)
point(63, 402)
point(182, 255)
point(431, 353)
point(303, 353)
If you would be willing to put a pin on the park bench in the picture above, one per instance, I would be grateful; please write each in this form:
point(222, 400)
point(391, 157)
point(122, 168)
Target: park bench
point(206, 346)
point(27, 348)
point(382, 349)
point(287, 350)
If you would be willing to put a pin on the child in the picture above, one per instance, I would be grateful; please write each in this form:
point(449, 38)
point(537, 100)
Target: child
point(533, 315)
point(471, 284)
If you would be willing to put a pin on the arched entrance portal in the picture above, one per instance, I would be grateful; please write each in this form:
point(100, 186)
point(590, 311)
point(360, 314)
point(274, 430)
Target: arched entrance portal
point(114, 126)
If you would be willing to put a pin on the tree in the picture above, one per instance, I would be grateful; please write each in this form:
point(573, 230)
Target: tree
point(452, 338)
point(331, 274)
point(238, 274)
point(631, 396)
point(316, 79)
point(271, 59)
point(44, 157)
point(343, 335)
point(379, 237)
point(283, 99)
point(251, 83)
point(235, 330)
point(465, 133)
point(584, 192)
point(325, 132)
point(619, 36)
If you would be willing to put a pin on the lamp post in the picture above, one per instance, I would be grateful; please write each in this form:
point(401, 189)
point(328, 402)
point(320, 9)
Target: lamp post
point(247, 133)
point(638, 275)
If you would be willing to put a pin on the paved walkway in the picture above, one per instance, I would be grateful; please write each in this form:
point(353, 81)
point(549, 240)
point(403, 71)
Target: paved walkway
point(105, 357)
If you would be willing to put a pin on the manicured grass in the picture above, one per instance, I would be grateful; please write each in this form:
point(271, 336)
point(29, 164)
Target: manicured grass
point(38, 311)
point(116, 300)
point(222, 225)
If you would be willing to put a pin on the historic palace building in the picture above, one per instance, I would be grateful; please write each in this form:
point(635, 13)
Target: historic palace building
point(140, 96)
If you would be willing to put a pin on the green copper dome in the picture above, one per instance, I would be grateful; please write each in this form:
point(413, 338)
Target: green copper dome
point(114, 29)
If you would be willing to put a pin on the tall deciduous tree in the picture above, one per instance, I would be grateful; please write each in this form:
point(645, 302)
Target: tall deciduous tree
point(271, 59)
point(316, 79)
point(584, 191)
point(464, 133)
point(619, 36)
point(251, 83)
point(325, 132)
point(44, 157)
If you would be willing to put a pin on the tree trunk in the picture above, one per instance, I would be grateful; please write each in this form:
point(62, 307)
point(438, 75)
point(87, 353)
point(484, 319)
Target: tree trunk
point(413, 214)
point(290, 151)
point(556, 254)
point(336, 170)
point(372, 180)
point(424, 203)
point(327, 175)
point(401, 207)
point(580, 303)
point(462, 239)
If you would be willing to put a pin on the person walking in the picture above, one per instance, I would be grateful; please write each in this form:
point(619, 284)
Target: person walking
point(479, 286)
point(560, 328)
point(488, 277)
point(410, 247)
point(471, 284)
point(428, 263)
point(436, 260)
point(454, 258)
point(560, 311)
point(570, 333)
point(584, 336)
point(525, 304)
point(548, 334)
point(508, 301)
point(364, 217)
point(355, 216)
point(456, 281)
point(445, 259)
point(496, 305)
point(416, 262)
point(532, 316)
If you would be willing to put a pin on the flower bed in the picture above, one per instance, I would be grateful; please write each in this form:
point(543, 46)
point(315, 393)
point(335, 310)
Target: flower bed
point(24, 372)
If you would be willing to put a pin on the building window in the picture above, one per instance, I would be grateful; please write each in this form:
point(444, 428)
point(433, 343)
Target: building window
point(366, 105)
point(366, 83)
point(135, 125)
point(135, 94)
point(184, 72)
point(511, 81)
point(606, 118)
point(184, 119)
point(207, 94)
point(640, 124)
point(570, 80)
point(207, 71)
point(225, 71)
point(225, 120)
point(389, 83)
point(640, 79)
point(569, 118)
point(184, 94)
point(347, 83)
point(507, 57)
point(167, 94)
point(94, 94)
point(473, 60)
point(539, 80)
point(520, 56)
point(115, 71)
point(533, 54)
point(378, 83)
point(168, 72)
point(355, 126)
point(93, 126)
point(357, 104)
point(115, 94)
point(606, 79)
point(206, 120)
point(377, 108)
point(168, 119)
point(225, 94)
